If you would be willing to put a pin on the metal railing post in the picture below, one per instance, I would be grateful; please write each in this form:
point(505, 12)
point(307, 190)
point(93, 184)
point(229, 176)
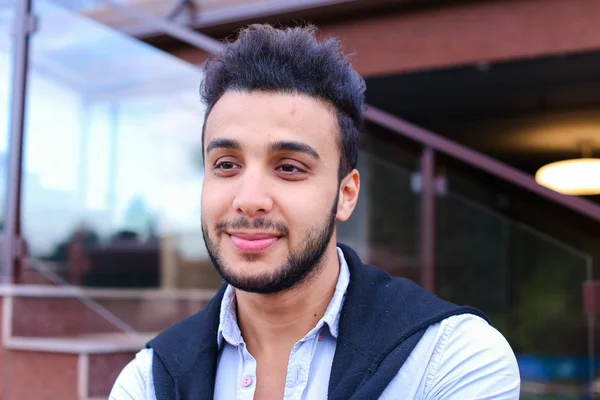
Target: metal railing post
point(428, 197)
point(24, 25)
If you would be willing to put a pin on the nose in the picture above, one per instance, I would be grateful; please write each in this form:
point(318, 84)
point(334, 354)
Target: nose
point(252, 198)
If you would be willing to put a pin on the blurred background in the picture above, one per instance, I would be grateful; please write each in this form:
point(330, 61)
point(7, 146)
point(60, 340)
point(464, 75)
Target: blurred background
point(480, 168)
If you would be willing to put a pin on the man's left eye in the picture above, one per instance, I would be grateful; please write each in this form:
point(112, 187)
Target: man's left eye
point(289, 168)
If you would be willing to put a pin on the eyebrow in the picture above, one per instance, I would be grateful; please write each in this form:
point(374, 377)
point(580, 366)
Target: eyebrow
point(283, 145)
point(297, 147)
point(223, 144)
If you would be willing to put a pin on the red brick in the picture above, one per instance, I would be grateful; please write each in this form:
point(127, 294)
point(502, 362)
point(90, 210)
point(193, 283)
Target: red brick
point(104, 370)
point(36, 375)
point(463, 33)
point(55, 317)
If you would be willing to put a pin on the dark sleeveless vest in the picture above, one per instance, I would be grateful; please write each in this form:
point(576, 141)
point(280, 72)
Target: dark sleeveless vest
point(382, 320)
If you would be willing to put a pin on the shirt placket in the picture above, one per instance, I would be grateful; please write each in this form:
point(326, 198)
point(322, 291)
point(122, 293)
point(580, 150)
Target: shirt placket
point(247, 377)
point(299, 367)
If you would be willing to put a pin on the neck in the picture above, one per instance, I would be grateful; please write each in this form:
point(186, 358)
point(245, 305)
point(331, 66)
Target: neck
point(276, 321)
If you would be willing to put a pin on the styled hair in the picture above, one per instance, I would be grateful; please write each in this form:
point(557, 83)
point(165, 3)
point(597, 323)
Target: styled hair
point(291, 60)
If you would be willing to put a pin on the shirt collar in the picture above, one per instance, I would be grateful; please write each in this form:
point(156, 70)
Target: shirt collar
point(334, 309)
point(230, 331)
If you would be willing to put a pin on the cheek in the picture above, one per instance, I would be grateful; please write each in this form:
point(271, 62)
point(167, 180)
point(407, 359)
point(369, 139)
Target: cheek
point(304, 211)
point(212, 202)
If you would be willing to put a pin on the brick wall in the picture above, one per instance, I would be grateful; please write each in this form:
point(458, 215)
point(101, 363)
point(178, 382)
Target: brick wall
point(465, 33)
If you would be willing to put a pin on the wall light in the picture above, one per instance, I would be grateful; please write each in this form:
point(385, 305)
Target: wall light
point(580, 176)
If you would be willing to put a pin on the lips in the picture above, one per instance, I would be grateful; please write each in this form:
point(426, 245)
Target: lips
point(253, 243)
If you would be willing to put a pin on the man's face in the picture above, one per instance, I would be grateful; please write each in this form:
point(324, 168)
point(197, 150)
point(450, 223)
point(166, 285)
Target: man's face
point(270, 192)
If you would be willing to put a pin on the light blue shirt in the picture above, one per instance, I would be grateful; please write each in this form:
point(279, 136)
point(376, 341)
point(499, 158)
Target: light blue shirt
point(460, 358)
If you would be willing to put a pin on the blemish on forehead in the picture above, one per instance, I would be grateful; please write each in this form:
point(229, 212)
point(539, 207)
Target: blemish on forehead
point(293, 105)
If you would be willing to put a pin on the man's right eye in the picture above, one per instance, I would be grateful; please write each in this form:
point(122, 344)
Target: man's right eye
point(225, 165)
point(225, 168)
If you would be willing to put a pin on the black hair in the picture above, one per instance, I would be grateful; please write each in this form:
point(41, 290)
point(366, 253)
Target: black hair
point(291, 60)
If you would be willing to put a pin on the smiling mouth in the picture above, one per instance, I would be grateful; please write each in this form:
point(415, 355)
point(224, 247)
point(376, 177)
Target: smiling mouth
point(253, 242)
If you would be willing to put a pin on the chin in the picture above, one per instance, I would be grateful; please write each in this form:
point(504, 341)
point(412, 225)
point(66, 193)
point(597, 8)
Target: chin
point(251, 272)
point(253, 265)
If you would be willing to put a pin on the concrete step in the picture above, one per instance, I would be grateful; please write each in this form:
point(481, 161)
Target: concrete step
point(58, 311)
point(77, 368)
point(58, 344)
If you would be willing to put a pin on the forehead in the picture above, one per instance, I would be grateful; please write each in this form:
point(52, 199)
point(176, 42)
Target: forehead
point(260, 117)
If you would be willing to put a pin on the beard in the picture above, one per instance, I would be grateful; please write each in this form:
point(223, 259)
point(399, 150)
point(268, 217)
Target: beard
point(299, 266)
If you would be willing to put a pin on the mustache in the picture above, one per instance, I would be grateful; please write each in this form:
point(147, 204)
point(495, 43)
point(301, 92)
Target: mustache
point(257, 223)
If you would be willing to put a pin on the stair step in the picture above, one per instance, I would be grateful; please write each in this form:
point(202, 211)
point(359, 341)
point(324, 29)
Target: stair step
point(55, 335)
point(47, 311)
point(88, 344)
point(55, 317)
point(68, 368)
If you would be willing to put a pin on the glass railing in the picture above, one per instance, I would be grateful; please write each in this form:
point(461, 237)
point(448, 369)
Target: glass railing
point(384, 228)
point(112, 178)
point(529, 283)
point(528, 276)
point(50, 314)
point(111, 189)
point(112, 158)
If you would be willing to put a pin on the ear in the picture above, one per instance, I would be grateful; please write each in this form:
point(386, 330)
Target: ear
point(348, 195)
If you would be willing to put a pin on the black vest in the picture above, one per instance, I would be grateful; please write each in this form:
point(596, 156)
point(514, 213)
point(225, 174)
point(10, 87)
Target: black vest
point(382, 320)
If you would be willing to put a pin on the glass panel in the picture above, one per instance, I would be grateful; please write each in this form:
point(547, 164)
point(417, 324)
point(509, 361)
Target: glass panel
point(528, 283)
point(471, 254)
point(113, 174)
point(384, 228)
point(112, 149)
point(111, 187)
point(530, 286)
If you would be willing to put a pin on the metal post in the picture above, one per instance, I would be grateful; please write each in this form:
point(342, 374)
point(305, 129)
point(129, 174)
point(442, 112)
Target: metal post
point(428, 219)
point(24, 25)
point(591, 322)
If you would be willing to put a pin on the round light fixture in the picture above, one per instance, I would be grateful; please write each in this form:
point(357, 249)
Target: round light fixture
point(573, 177)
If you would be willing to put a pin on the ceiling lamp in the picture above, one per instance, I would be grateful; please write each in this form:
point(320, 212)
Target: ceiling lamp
point(580, 176)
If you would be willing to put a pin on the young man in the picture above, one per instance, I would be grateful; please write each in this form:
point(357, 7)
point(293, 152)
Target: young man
point(299, 316)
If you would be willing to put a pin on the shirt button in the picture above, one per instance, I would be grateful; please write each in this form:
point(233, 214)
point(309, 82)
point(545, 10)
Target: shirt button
point(247, 381)
point(321, 337)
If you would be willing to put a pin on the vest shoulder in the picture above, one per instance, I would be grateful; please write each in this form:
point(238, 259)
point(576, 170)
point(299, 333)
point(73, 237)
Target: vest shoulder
point(383, 284)
point(395, 299)
point(181, 329)
point(190, 333)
